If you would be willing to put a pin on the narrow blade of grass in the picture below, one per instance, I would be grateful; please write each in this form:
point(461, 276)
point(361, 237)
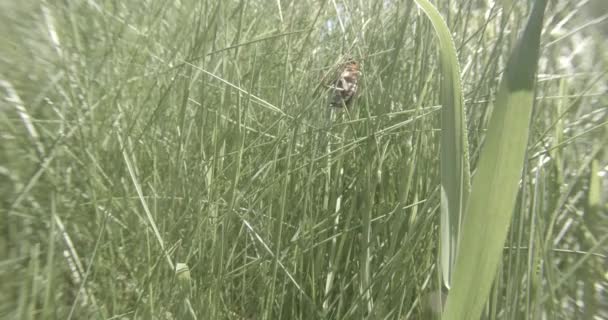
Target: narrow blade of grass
point(495, 184)
point(455, 174)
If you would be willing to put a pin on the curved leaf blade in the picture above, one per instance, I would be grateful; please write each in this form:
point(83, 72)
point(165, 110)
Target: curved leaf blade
point(455, 173)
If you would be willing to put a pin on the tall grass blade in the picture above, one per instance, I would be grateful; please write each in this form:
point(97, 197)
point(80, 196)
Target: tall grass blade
point(455, 175)
point(495, 184)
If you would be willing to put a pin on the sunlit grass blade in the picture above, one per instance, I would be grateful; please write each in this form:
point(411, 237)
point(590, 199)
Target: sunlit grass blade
point(495, 184)
point(455, 175)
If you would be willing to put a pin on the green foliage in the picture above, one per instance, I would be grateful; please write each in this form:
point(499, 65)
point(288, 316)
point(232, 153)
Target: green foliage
point(496, 182)
point(455, 175)
point(174, 160)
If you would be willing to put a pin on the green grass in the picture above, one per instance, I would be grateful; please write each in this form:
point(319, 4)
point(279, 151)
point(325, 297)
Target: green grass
point(454, 163)
point(176, 160)
point(495, 187)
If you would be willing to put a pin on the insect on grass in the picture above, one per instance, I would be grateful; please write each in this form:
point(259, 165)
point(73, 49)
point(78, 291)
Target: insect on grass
point(345, 86)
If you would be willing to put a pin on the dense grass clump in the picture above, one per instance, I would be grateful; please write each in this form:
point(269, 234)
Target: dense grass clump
point(177, 160)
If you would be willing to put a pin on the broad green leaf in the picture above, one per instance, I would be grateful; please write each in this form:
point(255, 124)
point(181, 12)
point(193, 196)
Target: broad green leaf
point(496, 182)
point(455, 174)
